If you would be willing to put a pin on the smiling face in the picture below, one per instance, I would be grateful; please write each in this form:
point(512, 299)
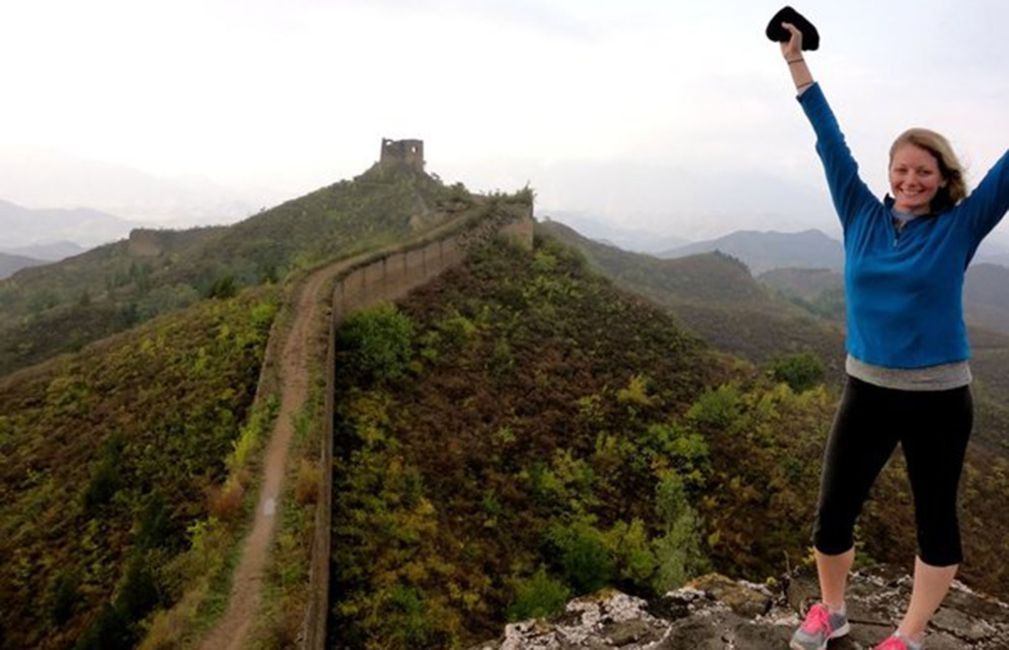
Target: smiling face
point(914, 178)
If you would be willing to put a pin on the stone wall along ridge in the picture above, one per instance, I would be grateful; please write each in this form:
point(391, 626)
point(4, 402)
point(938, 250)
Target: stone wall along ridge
point(385, 277)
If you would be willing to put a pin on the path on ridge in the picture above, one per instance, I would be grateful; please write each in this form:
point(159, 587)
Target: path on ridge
point(232, 630)
point(233, 627)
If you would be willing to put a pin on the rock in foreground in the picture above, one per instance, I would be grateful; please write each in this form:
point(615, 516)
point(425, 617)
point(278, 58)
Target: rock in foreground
point(714, 612)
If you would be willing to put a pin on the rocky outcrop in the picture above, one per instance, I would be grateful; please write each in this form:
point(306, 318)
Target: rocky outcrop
point(714, 612)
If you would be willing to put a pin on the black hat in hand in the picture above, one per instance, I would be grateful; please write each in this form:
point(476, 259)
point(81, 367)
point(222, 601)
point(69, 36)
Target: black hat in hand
point(778, 34)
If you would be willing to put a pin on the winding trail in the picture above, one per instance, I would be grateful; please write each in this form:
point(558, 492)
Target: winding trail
point(232, 629)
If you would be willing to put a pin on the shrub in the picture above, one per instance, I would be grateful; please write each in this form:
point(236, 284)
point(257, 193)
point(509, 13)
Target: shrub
point(800, 371)
point(110, 631)
point(407, 617)
point(678, 552)
point(716, 408)
point(306, 486)
point(375, 345)
point(139, 592)
point(629, 544)
point(582, 555)
point(686, 449)
point(63, 597)
point(537, 596)
point(222, 288)
point(226, 503)
point(636, 392)
point(106, 475)
point(153, 523)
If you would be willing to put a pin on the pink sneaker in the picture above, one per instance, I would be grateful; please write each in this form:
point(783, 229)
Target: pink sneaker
point(898, 642)
point(819, 627)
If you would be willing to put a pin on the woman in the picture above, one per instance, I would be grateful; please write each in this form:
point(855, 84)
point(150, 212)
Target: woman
point(908, 376)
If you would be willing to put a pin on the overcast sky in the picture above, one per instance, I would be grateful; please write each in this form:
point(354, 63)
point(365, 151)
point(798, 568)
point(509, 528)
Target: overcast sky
point(674, 116)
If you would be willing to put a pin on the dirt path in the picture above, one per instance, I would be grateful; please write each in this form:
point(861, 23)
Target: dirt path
point(231, 631)
point(233, 628)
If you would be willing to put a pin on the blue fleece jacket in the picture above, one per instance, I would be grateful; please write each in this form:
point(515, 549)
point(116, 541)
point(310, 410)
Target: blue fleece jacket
point(904, 290)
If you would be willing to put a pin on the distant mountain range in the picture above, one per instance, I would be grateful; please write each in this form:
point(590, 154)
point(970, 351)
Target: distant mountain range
point(10, 264)
point(763, 251)
point(14, 259)
point(43, 177)
point(47, 252)
point(21, 226)
point(628, 239)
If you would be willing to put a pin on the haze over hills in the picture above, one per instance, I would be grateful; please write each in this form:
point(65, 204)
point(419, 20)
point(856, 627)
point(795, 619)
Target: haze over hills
point(20, 226)
point(53, 251)
point(9, 264)
point(762, 251)
point(629, 239)
point(44, 178)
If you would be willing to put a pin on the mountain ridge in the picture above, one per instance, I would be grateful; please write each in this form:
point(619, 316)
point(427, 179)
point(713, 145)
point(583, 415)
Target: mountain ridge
point(765, 250)
point(23, 226)
point(11, 263)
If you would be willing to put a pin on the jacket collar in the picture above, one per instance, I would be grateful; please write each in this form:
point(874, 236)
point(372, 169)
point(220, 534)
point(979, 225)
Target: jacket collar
point(889, 201)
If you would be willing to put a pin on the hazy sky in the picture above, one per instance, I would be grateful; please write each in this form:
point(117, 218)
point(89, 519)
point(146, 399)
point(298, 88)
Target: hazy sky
point(673, 116)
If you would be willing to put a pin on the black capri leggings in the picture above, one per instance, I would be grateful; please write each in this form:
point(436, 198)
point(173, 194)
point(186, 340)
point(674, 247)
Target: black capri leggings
point(932, 427)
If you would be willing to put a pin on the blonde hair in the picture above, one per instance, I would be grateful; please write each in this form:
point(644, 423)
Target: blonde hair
point(955, 189)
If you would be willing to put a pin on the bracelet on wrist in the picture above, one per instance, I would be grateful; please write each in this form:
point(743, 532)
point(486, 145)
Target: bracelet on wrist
point(799, 60)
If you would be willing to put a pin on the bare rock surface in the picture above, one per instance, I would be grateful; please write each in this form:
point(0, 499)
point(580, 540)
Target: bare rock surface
point(715, 612)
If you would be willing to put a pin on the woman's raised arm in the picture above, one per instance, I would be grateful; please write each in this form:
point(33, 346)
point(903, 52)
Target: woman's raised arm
point(848, 191)
point(792, 51)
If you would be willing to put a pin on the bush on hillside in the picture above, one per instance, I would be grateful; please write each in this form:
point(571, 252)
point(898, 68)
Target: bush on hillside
point(537, 596)
point(375, 345)
point(800, 371)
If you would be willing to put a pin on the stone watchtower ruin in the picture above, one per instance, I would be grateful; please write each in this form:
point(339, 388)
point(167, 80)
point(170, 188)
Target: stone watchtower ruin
point(403, 152)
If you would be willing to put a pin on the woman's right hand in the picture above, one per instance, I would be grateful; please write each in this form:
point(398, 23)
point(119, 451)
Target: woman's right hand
point(792, 51)
point(793, 48)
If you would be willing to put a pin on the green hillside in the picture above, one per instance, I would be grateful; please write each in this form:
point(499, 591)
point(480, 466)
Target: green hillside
point(59, 307)
point(820, 291)
point(497, 412)
point(714, 296)
point(111, 462)
point(521, 431)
